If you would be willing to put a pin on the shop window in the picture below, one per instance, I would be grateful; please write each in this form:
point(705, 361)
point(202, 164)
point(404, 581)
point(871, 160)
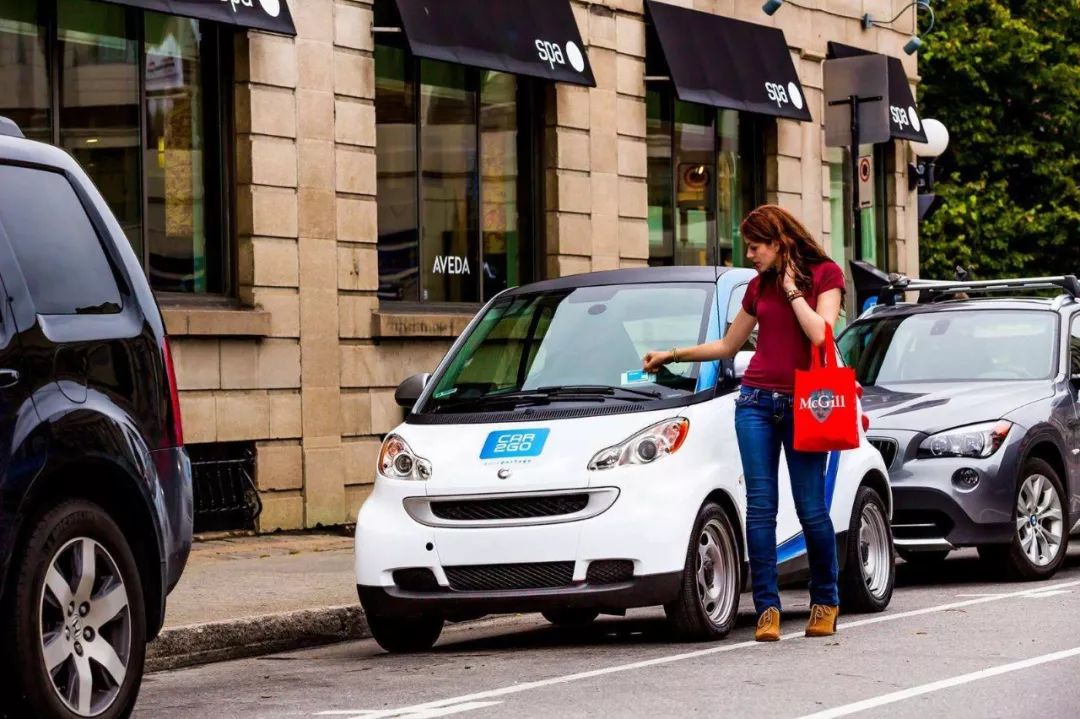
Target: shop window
point(705, 172)
point(455, 177)
point(140, 100)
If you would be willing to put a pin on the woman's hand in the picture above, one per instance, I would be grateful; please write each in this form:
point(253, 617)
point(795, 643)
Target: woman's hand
point(655, 360)
point(789, 278)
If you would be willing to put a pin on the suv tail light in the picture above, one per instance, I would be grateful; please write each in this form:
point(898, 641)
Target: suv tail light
point(174, 430)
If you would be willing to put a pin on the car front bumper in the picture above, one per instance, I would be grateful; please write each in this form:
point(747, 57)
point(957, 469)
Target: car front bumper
point(934, 512)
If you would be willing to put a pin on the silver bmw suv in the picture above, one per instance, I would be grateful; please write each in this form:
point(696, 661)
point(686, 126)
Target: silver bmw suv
point(974, 405)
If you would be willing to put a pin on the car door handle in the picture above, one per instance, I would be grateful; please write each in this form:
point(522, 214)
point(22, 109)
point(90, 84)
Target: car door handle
point(8, 378)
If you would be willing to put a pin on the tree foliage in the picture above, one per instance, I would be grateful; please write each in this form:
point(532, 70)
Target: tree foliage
point(1004, 78)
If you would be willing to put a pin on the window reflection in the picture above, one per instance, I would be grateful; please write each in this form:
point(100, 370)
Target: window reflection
point(99, 104)
point(448, 160)
point(499, 183)
point(174, 154)
point(23, 69)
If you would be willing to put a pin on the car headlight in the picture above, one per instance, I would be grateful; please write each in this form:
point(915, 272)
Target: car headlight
point(398, 461)
point(976, 440)
point(645, 447)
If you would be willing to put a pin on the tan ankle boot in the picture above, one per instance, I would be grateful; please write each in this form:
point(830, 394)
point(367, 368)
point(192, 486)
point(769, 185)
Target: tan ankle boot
point(768, 626)
point(822, 620)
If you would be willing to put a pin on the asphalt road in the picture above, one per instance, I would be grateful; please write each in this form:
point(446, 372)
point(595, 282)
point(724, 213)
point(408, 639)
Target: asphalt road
point(954, 643)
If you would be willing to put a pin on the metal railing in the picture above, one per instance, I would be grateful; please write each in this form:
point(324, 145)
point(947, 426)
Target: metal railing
point(224, 486)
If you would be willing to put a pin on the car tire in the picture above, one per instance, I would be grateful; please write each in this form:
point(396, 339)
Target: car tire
point(870, 570)
point(571, 617)
point(923, 558)
point(96, 630)
point(708, 601)
point(403, 635)
point(1014, 558)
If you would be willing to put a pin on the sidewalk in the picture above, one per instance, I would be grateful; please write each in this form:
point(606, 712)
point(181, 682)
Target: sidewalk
point(244, 596)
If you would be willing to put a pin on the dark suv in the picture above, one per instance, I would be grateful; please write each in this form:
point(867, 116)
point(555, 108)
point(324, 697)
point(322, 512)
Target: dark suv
point(95, 485)
point(975, 405)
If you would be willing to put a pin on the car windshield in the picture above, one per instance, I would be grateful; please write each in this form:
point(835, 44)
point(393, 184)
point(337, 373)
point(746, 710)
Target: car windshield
point(961, 345)
point(573, 344)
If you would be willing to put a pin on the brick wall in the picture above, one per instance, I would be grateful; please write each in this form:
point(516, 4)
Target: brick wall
point(307, 368)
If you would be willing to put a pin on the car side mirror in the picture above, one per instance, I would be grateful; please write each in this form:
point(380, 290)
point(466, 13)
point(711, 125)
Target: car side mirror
point(742, 361)
point(409, 391)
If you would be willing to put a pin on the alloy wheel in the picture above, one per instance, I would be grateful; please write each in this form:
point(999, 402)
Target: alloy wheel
point(85, 626)
point(1039, 523)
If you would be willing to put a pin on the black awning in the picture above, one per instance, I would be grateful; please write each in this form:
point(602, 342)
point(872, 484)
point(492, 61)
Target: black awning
point(729, 63)
point(538, 38)
point(270, 15)
point(904, 120)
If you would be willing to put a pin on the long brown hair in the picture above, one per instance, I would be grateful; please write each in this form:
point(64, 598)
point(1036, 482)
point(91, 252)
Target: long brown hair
point(796, 247)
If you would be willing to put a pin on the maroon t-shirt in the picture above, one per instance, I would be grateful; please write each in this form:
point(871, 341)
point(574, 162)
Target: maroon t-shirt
point(782, 346)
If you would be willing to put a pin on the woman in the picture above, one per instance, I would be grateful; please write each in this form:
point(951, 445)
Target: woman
point(795, 297)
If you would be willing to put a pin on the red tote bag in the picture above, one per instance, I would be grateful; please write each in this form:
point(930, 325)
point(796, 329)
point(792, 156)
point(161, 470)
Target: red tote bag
point(826, 403)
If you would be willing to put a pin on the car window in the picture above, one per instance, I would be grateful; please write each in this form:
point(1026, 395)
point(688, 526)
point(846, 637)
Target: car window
point(955, 345)
point(584, 336)
point(61, 257)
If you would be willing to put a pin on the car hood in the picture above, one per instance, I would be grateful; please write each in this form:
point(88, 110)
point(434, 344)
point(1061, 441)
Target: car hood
point(935, 406)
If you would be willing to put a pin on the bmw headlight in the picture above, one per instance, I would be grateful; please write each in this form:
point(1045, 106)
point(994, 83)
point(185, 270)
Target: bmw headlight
point(645, 447)
point(976, 440)
point(398, 461)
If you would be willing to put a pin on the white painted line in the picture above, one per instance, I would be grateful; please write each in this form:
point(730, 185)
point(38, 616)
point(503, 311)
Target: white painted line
point(409, 713)
point(875, 702)
point(720, 649)
point(1033, 594)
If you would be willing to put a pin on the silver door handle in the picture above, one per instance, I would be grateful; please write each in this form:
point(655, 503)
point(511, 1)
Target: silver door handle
point(8, 378)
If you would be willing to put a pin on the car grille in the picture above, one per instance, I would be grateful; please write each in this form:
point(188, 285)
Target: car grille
point(510, 507)
point(495, 577)
point(610, 571)
point(887, 447)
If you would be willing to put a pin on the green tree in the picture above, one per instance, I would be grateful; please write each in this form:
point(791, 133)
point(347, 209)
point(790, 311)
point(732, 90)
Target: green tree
point(1004, 77)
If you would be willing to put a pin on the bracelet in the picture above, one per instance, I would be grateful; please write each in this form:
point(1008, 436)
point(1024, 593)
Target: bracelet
point(793, 295)
point(674, 354)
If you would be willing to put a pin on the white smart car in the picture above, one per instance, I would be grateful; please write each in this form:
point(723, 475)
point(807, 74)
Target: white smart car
point(540, 469)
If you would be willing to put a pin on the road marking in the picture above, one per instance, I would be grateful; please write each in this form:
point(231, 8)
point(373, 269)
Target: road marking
point(1033, 594)
point(894, 697)
point(409, 713)
point(565, 679)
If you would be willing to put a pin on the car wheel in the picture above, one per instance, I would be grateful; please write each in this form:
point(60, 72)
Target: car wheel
point(77, 639)
point(923, 558)
point(401, 635)
point(870, 572)
point(1040, 516)
point(571, 617)
point(708, 601)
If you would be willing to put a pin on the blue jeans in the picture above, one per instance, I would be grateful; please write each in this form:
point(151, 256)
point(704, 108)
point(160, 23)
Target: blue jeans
point(764, 422)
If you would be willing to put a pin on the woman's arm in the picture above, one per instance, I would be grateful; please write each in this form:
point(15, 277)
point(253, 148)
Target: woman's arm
point(732, 341)
point(813, 322)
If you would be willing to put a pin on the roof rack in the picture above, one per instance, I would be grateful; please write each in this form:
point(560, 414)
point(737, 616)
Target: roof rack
point(1068, 283)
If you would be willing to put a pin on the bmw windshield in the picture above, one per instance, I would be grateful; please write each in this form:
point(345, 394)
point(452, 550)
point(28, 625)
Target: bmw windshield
point(581, 344)
point(952, 346)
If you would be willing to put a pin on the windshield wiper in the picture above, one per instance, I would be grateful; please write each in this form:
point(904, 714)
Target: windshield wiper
point(547, 395)
point(600, 389)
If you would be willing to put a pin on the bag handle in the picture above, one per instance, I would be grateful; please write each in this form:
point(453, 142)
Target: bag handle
point(828, 347)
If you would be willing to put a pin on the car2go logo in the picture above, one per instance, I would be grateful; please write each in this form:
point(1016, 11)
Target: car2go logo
point(509, 444)
point(552, 54)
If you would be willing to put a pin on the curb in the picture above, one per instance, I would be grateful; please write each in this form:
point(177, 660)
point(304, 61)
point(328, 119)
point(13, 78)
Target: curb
point(254, 636)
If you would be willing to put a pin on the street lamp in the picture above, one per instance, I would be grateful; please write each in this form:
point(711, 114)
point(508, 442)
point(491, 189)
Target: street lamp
point(937, 139)
point(921, 173)
point(912, 46)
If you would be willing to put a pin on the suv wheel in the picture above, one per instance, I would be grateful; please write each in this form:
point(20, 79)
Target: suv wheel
point(869, 570)
point(708, 602)
point(77, 640)
point(400, 635)
point(1040, 515)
